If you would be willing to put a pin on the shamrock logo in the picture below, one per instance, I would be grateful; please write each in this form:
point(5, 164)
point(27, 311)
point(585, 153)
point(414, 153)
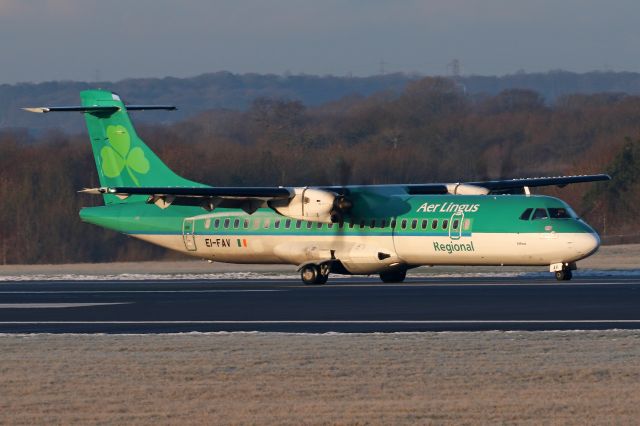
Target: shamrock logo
point(118, 155)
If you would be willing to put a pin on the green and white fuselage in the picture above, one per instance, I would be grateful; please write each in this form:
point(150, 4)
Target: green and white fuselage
point(385, 229)
point(436, 230)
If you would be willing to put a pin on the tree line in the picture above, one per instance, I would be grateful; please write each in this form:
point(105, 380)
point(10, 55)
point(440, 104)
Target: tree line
point(433, 130)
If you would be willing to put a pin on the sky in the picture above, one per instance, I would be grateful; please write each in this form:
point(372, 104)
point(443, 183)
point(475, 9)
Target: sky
point(90, 40)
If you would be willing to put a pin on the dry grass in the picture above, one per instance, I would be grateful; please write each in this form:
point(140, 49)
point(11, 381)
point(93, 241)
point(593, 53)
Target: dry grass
point(428, 378)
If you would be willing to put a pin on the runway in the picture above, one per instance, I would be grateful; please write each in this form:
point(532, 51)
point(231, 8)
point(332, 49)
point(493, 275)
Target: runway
point(344, 305)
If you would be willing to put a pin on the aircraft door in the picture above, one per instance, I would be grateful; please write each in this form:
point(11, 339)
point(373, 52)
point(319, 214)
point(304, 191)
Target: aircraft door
point(188, 234)
point(455, 225)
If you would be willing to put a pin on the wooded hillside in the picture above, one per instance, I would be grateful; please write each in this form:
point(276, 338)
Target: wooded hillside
point(431, 131)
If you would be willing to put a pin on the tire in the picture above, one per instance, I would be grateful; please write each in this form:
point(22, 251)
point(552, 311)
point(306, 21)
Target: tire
point(564, 275)
point(395, 276)
point(309, 274)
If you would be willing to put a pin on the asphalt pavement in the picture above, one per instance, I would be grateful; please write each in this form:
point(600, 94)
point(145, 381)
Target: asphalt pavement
point(343, 305)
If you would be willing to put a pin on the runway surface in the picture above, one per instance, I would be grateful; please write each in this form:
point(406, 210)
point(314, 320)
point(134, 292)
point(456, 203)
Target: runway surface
point(343, 305)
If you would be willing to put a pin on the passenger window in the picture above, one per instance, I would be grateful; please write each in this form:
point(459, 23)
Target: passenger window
point(226, 223)
point(526, 214)
point(434, 224)
point(256, 223)
point(298, 224)
point(414, 223)
point(267, 222)
point(361, 224)
point(393, 224)
point(424, 223)
point(330, 226)
point(540, 214)
point(351, 223)
point(319, 225)
point(216, 223)
point(383, 224)
point(455, 225)
point(404, 224)
point(287, 223)
point(341, 225)
point(445, 223)
point(309, 225)
point(236, 223)
point(373, 223)
point(467, 224)
point(276, 224)
point(246, 224)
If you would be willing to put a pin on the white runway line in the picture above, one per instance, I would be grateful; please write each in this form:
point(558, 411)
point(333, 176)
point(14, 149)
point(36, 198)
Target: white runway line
point(427, 322)
point(133, 291)
point(54, 305)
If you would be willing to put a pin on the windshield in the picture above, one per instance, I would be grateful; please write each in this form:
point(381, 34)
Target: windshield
point(559, 213)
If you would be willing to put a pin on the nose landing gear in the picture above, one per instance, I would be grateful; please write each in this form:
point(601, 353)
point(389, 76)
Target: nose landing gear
point(563, 275)
point(562, 271)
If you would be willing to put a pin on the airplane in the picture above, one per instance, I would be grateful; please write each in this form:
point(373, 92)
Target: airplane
point(354, 230)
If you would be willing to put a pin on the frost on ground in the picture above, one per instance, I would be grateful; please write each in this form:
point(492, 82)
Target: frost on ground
point(239, 378)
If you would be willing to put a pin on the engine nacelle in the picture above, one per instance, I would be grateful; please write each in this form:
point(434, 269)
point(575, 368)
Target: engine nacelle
point(466, 189)
point(312, 204)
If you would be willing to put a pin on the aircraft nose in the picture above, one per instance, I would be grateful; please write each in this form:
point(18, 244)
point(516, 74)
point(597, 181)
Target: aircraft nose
point(588, 243)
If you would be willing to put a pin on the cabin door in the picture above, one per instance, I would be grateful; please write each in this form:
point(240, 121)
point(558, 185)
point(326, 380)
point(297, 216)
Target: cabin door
point(188, 234)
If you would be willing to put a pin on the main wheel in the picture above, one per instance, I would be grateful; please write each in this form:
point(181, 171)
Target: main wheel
point(312, 275)
point(309, 274)
point(395, 276)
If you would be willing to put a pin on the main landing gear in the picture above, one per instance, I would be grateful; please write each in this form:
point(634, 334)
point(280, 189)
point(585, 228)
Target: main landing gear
point(315, 274)
point(394, 276)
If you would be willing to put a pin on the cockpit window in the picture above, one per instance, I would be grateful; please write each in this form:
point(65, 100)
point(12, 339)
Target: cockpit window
point(559, 213)
point(540, 214)
point(526, 214)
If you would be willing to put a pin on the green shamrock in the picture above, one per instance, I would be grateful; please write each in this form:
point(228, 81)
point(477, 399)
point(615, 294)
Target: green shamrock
point(118, 155)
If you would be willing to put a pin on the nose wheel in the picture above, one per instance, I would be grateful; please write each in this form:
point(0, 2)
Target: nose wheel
point(563, 275)
point(562, 271)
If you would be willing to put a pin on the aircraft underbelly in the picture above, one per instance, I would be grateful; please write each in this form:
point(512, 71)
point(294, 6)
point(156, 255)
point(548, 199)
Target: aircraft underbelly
point(364, 253)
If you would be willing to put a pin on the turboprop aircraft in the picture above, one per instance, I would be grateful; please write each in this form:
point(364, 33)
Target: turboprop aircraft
point(368, 229)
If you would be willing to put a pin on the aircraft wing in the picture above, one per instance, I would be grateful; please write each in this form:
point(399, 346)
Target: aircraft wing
point(330, 203)
point(560, 181)
point(281, 193)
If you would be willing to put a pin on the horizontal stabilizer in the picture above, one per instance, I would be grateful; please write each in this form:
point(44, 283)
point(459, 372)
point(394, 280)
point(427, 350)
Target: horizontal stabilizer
point(100, 108)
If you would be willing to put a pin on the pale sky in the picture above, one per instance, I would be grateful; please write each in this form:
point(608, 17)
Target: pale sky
point(43, 40)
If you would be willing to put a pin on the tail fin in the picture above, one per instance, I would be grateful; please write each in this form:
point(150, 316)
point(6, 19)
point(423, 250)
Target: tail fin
point(122, 158)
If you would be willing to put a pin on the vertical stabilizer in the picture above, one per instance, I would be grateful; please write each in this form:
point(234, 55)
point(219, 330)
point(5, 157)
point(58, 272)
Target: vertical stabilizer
point(122, 158)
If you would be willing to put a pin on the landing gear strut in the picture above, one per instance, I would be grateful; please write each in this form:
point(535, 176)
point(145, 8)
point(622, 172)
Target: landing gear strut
point(314, 274)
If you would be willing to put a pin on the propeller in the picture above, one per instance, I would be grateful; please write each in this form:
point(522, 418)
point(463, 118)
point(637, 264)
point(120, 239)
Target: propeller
point(342, 204)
